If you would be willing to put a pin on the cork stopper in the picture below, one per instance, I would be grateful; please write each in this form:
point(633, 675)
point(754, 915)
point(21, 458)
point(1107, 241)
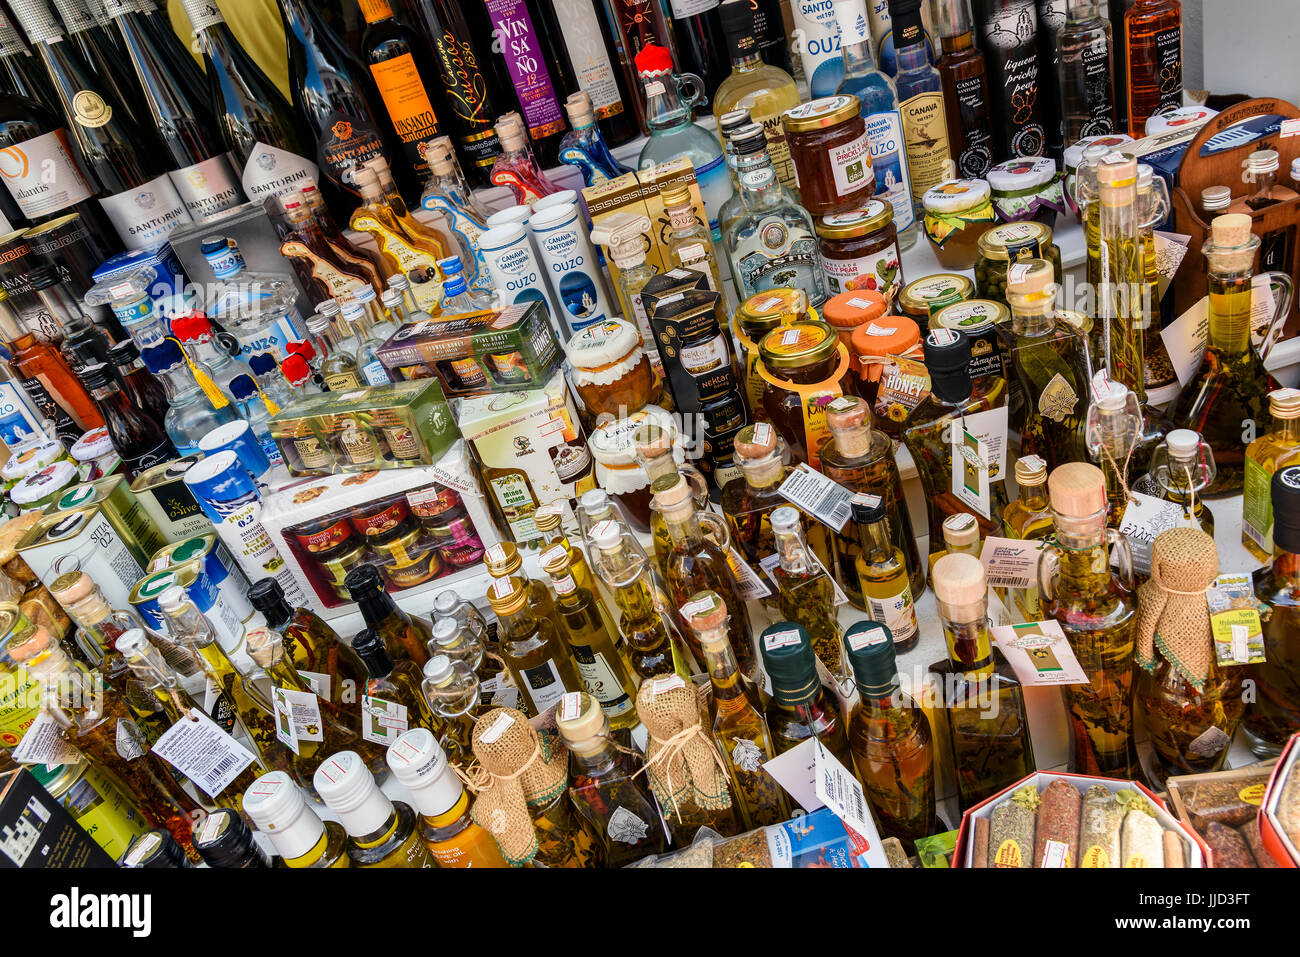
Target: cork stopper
point(1284, 403)
point(31, 646)
point(672, 493)
point(263, 646)
point(578, 108)
point(1031, 278)
point(502, 559)
point(705, 612)
point(1030, 470)
point(511, 135)
point(1230, 229)
point(756, 441)
point(959, 580)
point(1117, 170)
point(960, 530)
point(581, 722)
point(652, 441)
point(1077, 489)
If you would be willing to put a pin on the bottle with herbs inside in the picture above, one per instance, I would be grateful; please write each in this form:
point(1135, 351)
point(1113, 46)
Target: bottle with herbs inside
point(739, 728)
point(1096, 609)
point(540, 666)
point(646, 643)
point(806, 593)
point(1029, 518)
point(861, 458)
point(882, 573)
point(404, 636)
point(983, 703)
point(890, 738)
point(801, 706)
point(604, 784)
point(695, 563)
point(391, 698)
point(957, 437)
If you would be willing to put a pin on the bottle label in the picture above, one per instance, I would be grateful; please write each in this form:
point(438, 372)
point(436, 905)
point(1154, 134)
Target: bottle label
point(976, 157)
point(878, 271)
point(382, 722)
point(851, 165)
point(1257, 505)
point(1169, 59)
point(375, 373)
point(590, 59)
point(777, 254)
point(885, 137)
point(18, 421)
point(207, 188)
point(925, 131)
point(1094, 62)
point(568, 253)
point(203, 14)
point(1010, 38)
point(375, 10)
point(420, 267)
point(543, 685)
point(513, 30)
point(90, 109)
point(64, 426)
point(681, 10)
point(41, 175)
point(466, 91)
point(145, 215)
point(817, 39)
point(778, 150)
point(601, 683)
point(337, 284)
point(271, 171)
point(897, 613)
point(163, 452)
point(342, 381)
point(347, 143)
point(203, 752)
point(626, 827)
point(129, 741)
point(408, 106)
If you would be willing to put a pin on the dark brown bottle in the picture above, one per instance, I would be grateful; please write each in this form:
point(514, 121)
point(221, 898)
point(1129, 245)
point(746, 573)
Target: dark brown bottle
point(965, 90)
point(138, 439)
point(1008, 31)
point(144, 389)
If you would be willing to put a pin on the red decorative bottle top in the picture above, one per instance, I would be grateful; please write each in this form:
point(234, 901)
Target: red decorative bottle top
point(191, 326)
point(295, 369)
point(654, 59)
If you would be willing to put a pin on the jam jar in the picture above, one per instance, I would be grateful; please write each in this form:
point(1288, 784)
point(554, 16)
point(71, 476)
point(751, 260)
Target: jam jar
point(849, 310)
point(424, 565)
point(922, 298)
point(891, 373)
point(756, 317)
point(617, 470)
point(1008, 243)
point(326, 536)
point(1074, 156)
point(832, 160)
point(980, 319)
point(1027, 187)
point(956, 214)
point(859, 250)
point(611, 371)
point(806, 368)
point(458, 542)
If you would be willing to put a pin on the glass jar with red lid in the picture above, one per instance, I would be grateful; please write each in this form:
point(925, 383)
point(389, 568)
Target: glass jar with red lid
point(859, 250)
point(890, 369)
point(806, 367)
point(832, 159)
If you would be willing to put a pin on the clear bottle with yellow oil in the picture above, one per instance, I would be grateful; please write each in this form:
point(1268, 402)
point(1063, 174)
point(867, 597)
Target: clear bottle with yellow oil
point(381, 833)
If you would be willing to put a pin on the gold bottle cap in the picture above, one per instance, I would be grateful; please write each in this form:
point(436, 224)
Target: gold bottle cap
point(1077, 489)
point(959, 580)
point(547, 518)
point(581, 722)
point(798, 344)
point(961, 530)
point(677, 194)
point(502, 559)
point(706, 611)
point(1031, 280)
point(821, 113)
point(1030, 470)
point(555, 560)
point(507, 595)
point(764, 311)
point(30, 645)
point(1284, 403)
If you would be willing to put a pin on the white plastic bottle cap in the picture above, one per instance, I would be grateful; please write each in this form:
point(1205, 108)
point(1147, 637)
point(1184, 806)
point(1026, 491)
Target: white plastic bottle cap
point(275, 804)
point(348, 788)
point(420, 764)
point(1183, 442)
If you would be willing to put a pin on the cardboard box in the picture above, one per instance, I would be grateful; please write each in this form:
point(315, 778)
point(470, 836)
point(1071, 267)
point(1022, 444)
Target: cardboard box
point(37, 831)
point(1284, 847)
point(477, 353)
point(1181, 789)
point(1195, 848)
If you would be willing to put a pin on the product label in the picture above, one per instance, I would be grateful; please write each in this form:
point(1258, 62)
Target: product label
point(979, 449)
point(342, 381)
point(90, 109)
point(1145, 517)
point(878, 271)
point(512, 28)
point(925, 132)
point(1040, 654)
point(600, 681)
point(42, 741)
point(408, 106)
point(382, 722)
point(543, 686)
point(466, 90)
point(1234, 620)
point(816, 41)
point(976, 157)
point(681, 9)
point(1098, 96)
point(851, 165)
point(42, 176)
point(203, 752)
point(144, 216)
point(893, 184)
point(821, 497)
point(336, 285)
point(207, 188)
point(129, 740)
point(1257, 505)
point(897, 613)
point(626, 827)
point(18, 422)
point(271, 171)
point(778, 149)
point(567, 252)
point(587, 53)
point(1058, 399)
point(777, 254)
point(1169, 63)
point(1010, 38)
point(135, 464)
point(347, 142)
point(1011, 562)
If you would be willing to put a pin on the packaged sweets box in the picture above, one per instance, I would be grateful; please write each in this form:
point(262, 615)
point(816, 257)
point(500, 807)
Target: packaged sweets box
point(1222, 806)
point(425, 528)
point(1279, 816)
point(392, 426)
point(477, 353)
point(1194, 849)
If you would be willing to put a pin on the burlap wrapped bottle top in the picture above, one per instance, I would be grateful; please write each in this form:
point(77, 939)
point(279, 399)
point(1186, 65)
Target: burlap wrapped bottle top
point(681, 760)
point(524, 768)
point(1173, 617)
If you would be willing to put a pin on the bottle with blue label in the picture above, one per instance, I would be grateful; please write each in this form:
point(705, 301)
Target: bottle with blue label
point(20, 422)
point(879, 98)
point(192, 413)
point(817, 42)
point(130, 296)
point(448, 194)
point(258, 309)
point(584, 147)
point(569, 259)
point(668, 114)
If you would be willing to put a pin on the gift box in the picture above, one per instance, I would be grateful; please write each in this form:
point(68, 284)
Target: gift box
point(1283, 846)
point(1231, 799)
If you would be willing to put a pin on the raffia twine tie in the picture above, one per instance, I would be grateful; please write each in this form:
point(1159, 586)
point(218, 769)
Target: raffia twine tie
point(673, 747)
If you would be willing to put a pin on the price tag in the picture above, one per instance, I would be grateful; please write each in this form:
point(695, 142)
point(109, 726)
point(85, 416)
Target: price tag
point(297, 717)
point(1234, 620)
point(881, 331)
point(200, 750)
point(1055, 854)
point(499, 726)
point(1039, 653)
point(840, 791)
point(382, 722)
point(824, 499)
point(1011, 562)
point(1144, 519)
point(749, 586)
point(653, 88)
point(43, 743)
point(769, 563)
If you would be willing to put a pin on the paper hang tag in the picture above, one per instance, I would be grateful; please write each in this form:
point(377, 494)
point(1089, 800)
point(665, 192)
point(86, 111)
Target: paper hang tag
point(200, 750)
point(822, 498)
point(1234, 621)
point(769, 563)
point(1039, 653)
point(749, 586)
point(1185, 338)
point(301, 710)
point(382, 722)
point(1145, 518)
point(43, 743)
point(840, 791)
point(1171, 248)
point(970, 470)
point(796, 771)
point(1011, 562)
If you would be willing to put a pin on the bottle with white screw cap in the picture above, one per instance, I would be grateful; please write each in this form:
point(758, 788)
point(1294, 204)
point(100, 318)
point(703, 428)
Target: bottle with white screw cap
point(445, 824)
point(381, 833)
point(458, 641)
point(1182, 468)
point(455, 694)
point(277, 806)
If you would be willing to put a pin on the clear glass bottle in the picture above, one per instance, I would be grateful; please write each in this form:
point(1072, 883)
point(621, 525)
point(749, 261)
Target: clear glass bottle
point(381, 833)
point(191, 414)
point(890, 738)
point(516, 168)
point(1029, 518)
point(801, 706)
point(772, 243)
point(447, 193)
point(920, 102)
point(1113, 433)
point(738, 726)
point(503, 560)
point(540, 664)
point(806, 592)
point(1182, 468)
point(623, 234)
point(1264, 457)
point(339, 366)
point(983, 704)
point(882, 572)
point(251, 306)
point(276, 805)
point(732, 207)
point(648, 646)
point(1097, 609)
point(253, 408)
point(1262, 168)
point(584, 147)
point(689, 240)
point(454, 693)
point(1087, 93)
point(195, 334)
point(1153, 60)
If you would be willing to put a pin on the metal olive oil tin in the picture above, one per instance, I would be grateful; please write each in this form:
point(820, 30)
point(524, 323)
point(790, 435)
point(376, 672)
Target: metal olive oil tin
point(84, 539)
point(95, 803)
point(226, 623)
point(169, 503)
point(114, 497)
point(216, 561)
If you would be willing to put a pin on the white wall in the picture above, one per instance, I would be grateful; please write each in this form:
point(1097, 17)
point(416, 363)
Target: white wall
point(1250, 46)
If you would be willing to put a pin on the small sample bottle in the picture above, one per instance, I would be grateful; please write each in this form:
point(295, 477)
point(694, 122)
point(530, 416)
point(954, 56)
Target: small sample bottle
point(882, 572)
point(690, 241)
point(1183, 468)
point(277, 806)
point(381, 833)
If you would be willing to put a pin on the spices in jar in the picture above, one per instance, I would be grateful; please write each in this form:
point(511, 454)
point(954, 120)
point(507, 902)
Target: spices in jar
point(1011, 243)
point(859, 250)
point(377, 519)
point(618, 471)
point(806, 368)
point(979, 319)
point(1027, 188)
point(756, 317)
point(832, 159)
point(610, 369)
point(847, 311)
point(891, 371)
point(425, 566)
point(325, 535)
point(956, 214)
point(922, 298)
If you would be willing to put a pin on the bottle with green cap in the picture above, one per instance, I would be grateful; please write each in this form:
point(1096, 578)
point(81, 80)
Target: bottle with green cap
point(801, 707)
point(889, 735)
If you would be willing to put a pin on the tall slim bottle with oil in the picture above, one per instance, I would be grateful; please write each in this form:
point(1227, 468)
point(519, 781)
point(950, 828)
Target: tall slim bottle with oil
point(1264, 457)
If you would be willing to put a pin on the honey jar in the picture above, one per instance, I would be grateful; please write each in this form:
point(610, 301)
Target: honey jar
point(921, 298)
point(956, 214)
point(891, 372)
point(806, 367)
point(611, 371)
point(757, 316)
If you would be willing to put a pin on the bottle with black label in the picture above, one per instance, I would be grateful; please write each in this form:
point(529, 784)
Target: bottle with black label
point(965, 90)
point(1087, 92)
point(1051, 19)
point(1153, 51)
point(1008, 31)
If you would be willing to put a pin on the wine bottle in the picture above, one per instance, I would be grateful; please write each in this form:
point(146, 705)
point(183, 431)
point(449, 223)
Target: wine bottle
point(139, 198)
point(167, 43)
point(256, 122)
point(100, 51)
point(390, 49)
point(594, 62)
point(202, 175)
point(474, 90)
point(700, 48)
point(20, 70)
point(333, 95)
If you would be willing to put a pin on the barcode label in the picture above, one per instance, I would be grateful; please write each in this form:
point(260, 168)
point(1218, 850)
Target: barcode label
point(822, 498)
point(840, 791)
point(749, 586)
point(200, 750)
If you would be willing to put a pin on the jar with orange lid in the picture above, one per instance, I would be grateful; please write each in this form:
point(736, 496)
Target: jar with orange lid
point(890, 369)
point(847, 311)
point(611, 372)
point(859, 250)
point(832, 159)
point(956, 214)
point(806, 367)
point(922, 298)
point(756, 317)
point(618, 470)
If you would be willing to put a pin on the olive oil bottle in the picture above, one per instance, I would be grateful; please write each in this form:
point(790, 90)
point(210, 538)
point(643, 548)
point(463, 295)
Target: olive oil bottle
point(540, 666)
point(882, 574)
point(381, 833)
point(801, 707)
point(276, 805)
